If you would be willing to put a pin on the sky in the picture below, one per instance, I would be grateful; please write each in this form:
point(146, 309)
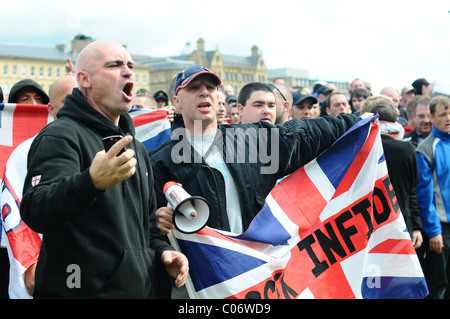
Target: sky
point(385, 42)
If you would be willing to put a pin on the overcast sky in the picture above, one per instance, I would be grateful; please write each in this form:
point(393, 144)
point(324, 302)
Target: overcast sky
point(386, 42)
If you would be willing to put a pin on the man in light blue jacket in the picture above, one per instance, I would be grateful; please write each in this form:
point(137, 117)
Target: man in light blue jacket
point(433, 191)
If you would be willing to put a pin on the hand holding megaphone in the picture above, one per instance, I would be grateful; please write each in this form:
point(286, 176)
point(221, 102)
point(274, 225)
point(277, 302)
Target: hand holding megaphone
point(191, 213)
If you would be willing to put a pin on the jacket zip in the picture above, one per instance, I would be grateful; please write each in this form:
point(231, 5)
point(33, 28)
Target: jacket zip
point(221, 208)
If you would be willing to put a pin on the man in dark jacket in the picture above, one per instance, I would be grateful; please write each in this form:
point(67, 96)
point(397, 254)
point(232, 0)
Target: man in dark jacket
point(96, 209)
point(402, 168)
point(422, 120)
point(234, 167)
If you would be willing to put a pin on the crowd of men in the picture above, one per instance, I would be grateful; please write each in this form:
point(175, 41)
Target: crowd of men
point(98, 188)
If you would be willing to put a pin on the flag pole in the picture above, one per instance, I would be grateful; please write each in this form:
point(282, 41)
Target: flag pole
point(189, 285)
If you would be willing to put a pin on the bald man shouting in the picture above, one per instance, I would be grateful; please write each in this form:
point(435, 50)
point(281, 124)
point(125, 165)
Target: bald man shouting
point(96, 209)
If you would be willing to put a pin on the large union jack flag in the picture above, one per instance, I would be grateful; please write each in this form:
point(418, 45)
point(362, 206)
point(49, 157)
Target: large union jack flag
point(18, 126)
point(332, 229)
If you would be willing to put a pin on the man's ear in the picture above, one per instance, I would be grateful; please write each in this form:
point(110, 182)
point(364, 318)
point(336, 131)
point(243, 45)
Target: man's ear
point(176, 103)
point(51, 109)
point(240, 109)
point(84, 79)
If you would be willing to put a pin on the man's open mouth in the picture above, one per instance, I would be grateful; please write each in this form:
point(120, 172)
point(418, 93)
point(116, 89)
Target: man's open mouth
point(204, 105)
point(128, 91)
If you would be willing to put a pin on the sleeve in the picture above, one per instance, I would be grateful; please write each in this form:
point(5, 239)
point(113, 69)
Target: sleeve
point(301, 140)
point(56, 189)
point(414, 209)
point(425, 194)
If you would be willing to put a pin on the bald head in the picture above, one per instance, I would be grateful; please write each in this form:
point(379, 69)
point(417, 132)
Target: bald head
point(393, 94)
point(92, 53)
point(104, 72)
point(58, 91)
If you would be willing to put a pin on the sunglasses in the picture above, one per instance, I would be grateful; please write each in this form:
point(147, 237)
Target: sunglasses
point(274, 87)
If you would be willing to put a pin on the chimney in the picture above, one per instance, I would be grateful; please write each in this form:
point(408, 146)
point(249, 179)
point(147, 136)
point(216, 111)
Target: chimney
point(201, 45)
point(79, 43)
point(255, 50)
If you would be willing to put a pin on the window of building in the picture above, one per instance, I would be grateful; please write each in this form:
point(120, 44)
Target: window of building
point(50, 72)
point(137, 78)
point(32, 71)
point(23, 71)
point(144, 79)
point(5, 70)
point(5, 88)
point(14, 72)
point(41, 72)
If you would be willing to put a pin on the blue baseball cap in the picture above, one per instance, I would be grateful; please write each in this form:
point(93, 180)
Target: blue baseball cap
point(299, 96)
point(187, 75)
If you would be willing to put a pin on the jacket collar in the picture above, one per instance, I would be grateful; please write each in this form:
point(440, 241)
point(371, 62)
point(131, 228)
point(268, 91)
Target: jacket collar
point(440, 134)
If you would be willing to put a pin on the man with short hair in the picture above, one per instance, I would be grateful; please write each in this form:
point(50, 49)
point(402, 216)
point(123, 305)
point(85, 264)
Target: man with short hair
point(256, 102)
point(144, 101)
point(355, 84)
point(221, 109)
point(359, 95)
point(422, 120)
point(395, 96)
point(337, 104)
point(433, 191)
point(235, 117)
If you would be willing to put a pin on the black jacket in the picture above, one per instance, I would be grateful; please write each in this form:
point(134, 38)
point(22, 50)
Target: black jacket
point(297, 142)
point(412, 137)
point(401, 163)
point(110, 235)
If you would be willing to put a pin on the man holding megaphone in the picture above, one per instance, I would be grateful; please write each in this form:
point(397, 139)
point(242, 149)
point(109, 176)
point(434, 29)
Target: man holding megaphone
point(227, 165)
point(217, 162)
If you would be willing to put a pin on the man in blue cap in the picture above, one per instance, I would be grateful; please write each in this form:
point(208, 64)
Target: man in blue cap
point(302, 104)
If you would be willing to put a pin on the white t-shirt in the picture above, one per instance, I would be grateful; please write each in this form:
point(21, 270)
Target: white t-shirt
point(201, 144)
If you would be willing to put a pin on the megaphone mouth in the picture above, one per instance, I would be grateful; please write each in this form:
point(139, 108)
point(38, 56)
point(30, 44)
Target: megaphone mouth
point(195, 223)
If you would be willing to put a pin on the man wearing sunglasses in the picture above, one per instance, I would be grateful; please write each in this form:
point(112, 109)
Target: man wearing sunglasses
point(283, 100)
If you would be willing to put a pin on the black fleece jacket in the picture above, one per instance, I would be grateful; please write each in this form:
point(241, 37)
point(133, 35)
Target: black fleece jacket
point(108, 237)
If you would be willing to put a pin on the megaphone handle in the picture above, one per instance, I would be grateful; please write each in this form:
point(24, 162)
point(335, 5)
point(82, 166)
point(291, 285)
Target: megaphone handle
point(189, 285)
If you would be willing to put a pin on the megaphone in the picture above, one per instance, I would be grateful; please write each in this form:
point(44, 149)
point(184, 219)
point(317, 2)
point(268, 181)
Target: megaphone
point(191, 213)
